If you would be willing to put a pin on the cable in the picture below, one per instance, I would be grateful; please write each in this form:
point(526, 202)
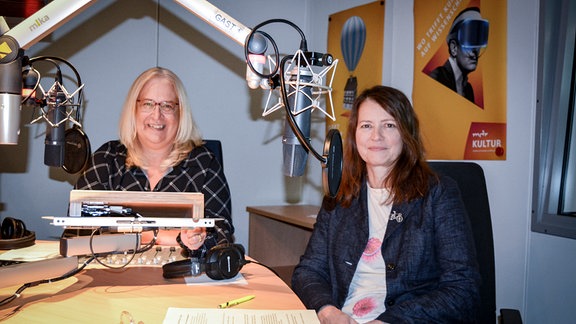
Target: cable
point(265, 266)
point(19, 291)
point(291, 120)
point(303, 44)
point(133, 252)
point(54, 60)
point(273, 75)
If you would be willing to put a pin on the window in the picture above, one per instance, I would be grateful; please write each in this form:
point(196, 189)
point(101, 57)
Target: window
point(554, 198)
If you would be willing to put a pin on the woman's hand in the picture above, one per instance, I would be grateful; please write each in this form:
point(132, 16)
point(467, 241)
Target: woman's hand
point(332, 315)
point(193, 238)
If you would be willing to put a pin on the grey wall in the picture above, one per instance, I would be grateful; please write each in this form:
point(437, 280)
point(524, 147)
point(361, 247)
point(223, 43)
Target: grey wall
point(113, 41)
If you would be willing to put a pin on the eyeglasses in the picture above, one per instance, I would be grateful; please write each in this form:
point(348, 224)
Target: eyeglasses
point(126, 318)
point(166, 107)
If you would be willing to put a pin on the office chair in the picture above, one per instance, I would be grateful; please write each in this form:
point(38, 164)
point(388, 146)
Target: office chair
point(472, 185)
point(215, 146)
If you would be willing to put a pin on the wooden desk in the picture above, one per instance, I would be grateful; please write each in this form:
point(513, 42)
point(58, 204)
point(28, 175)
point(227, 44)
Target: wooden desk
point(279, 235)
point(100, 295)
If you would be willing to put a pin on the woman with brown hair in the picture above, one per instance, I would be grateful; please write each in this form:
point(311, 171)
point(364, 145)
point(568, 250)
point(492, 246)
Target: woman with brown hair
point(394, 245)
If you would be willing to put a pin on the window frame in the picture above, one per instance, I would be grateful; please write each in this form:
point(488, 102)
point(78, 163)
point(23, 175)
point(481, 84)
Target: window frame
point(553, 160)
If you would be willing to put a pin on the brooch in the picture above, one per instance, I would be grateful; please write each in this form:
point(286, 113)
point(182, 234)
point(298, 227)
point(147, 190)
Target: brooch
point(396, 216)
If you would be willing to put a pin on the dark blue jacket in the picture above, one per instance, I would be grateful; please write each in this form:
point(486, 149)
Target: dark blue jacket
point(432, 274)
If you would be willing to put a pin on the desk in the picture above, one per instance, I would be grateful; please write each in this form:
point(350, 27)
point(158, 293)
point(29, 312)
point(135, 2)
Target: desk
point(100, 295)
point(279, 235)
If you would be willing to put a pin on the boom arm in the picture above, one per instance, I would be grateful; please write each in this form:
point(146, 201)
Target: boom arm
point(14, 41)
point(217, 19)
point(54, 14)
point(46, 20)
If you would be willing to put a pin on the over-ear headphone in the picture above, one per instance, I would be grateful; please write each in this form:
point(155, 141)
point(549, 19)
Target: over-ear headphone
point(14, 234)
point(223, 261)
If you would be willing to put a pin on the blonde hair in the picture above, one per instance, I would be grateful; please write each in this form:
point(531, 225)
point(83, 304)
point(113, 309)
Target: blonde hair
point(188, 135)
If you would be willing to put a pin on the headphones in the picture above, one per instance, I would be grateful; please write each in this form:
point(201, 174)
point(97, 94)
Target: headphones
point(223, 261)
point(14, 235)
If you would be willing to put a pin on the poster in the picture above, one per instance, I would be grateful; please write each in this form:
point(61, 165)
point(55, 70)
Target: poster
point(356, 39)
point(459, 88)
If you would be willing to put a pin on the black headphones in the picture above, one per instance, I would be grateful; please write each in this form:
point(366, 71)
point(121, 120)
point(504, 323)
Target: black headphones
point(223, 261)
point(14, 235)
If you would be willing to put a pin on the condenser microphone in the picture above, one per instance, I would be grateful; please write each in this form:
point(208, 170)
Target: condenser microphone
point(10, 90)
point(54, 143)
point(256, 48)
point(299, 97)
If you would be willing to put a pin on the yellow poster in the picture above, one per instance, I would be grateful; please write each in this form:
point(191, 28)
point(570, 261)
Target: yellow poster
point(459, 89)
point(356, 39)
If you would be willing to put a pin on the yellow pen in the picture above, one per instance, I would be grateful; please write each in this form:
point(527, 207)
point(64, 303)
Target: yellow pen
point(235, 302)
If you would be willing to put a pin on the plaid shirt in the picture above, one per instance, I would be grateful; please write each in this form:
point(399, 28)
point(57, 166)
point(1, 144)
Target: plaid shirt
point(199, 172)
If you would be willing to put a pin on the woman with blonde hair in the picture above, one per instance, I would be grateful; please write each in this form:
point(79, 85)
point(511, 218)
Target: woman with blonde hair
point(161, 149)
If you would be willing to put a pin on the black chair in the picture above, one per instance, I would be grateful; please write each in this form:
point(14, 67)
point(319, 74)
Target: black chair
point(215, 146)
point(472, 185)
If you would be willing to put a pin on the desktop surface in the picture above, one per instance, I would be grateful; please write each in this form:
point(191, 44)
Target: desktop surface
point(139, 291)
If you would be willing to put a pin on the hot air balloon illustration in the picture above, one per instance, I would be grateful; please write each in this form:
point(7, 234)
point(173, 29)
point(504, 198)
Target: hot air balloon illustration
point(352, 42)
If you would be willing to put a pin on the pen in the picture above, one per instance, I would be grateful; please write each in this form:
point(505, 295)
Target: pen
point(235, 302)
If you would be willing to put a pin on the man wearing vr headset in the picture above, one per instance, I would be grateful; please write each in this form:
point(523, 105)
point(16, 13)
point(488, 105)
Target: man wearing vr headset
point(468, 35)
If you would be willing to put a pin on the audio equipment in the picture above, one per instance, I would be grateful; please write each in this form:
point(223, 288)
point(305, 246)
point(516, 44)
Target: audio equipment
point(66, 147)
point(14, 234)
point(77, 150)
point(33, 271)
point(223, 261)
point(301, 90)
point(102, 243)
point(256, 47)
point(54, 142)
point(10, 89)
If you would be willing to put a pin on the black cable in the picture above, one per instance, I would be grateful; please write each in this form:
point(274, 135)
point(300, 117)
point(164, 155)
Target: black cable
point(19, 291)
point(280, 66)
point(276, 55)
point(303, 44)
point(133, 252)
point(265, 266)
point(52, 59)
point(291, 120)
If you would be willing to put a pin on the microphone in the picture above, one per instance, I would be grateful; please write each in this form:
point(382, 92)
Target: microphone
point(256, 47)
point(29, 81)
point(55, 129)
point(295, 155)
point(10, 90)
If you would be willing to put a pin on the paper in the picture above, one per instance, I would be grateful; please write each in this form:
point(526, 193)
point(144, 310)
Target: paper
point(204, 280)
point(239, 316)
point(35, 252)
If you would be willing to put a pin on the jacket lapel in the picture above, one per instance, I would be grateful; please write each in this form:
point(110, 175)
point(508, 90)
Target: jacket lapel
point(398, 217)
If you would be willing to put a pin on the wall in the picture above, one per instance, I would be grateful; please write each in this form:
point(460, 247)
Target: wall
point(112, 41)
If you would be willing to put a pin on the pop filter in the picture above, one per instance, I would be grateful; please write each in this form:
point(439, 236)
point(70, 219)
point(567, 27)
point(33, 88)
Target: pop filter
point(332, 168)
point(77, 150)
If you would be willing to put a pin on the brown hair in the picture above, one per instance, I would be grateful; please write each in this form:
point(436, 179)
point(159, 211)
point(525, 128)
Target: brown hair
point(409, 178)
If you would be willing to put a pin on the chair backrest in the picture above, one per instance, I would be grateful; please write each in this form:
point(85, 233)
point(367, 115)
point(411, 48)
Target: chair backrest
point(215, 146)
point(472, 185)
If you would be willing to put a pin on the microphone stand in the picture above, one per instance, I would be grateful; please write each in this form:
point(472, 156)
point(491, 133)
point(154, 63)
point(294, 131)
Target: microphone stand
point(10, 90)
